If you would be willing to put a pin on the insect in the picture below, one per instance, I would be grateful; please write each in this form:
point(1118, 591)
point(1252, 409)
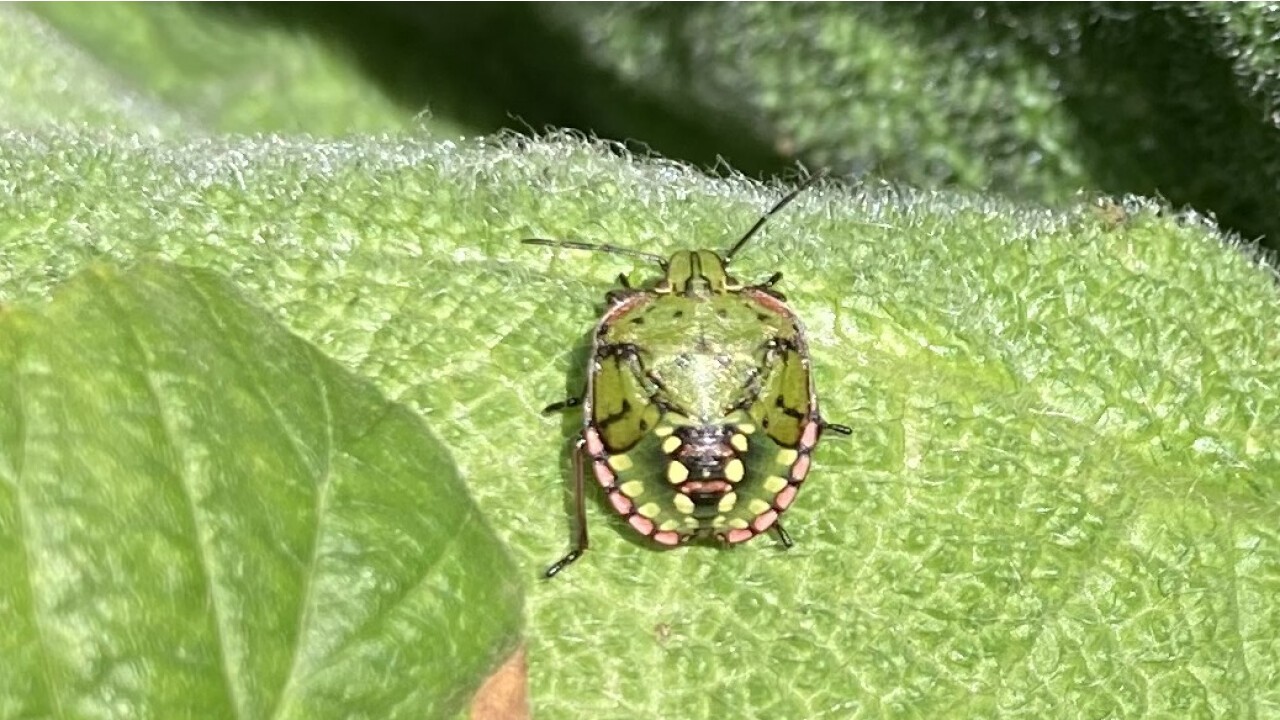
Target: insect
point(699, 415)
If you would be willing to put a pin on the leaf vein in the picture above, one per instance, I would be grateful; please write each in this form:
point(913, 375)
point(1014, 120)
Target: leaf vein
point(204, 548)
point(323, 484)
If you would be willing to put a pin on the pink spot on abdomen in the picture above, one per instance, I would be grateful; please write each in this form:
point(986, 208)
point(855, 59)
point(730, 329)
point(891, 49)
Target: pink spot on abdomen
point(621, 503)
point(764, 521)
point(604, 475)
point(642, 524)
point(771, 303)
point(666, 537)
point(595, 448)
point(800, 468)
point(783, 501)
point(737, 536)
point(719, 487)
point(810, 436)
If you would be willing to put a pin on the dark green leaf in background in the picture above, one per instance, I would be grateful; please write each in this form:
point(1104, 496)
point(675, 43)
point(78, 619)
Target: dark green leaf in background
point(1031, 100)
point(1035, 101)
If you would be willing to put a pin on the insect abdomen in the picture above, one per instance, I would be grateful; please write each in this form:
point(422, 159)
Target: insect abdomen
point(683, 481)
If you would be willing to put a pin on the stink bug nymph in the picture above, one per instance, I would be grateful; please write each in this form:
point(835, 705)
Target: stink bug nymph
point(700, 414)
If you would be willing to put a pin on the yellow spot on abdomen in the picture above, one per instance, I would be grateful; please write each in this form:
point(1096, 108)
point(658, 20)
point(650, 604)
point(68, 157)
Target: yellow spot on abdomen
point(663, 430)
point(746, 428)
point(787, 457)
point(733, 470)
point(718, 522)
point(758, 506)
point(669, 525)
point(738, 523)
point(621, 463)
point(739, 442)
point(773, 484)
point(676, 473)
point(683, 503)
point(727, 502)
point(671, 444)
point(632, 488)
point(649, 510)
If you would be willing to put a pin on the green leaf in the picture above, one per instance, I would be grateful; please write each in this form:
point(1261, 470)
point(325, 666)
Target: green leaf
point(47, 81)
point(170, 67)
point(202, 516)
point(1060, 498)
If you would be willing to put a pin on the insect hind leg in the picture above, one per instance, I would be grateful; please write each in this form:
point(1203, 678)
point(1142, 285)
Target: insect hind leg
point(784, 537)
point(581, 541)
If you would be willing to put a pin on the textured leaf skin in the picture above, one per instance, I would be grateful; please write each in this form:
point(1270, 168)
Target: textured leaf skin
point(202, 516)
point(1061, 491)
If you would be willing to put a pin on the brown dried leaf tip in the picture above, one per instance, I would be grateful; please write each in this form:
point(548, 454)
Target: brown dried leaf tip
point(505, 694)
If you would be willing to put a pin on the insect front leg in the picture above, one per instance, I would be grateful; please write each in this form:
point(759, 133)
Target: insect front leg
point(565, 404)
point(767, 286)
point(579, 512)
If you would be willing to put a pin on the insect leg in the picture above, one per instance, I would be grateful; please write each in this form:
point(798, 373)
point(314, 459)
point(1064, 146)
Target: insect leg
point(767, 286)
point(566, 404)
point(783, 536)
point(837, 428)
point(580, 515)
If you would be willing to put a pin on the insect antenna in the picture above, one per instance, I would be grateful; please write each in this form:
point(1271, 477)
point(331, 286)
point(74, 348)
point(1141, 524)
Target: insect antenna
point(765, 217)
point(597, 248)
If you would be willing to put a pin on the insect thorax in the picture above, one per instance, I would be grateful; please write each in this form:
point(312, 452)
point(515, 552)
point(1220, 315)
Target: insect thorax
point(703, 356)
